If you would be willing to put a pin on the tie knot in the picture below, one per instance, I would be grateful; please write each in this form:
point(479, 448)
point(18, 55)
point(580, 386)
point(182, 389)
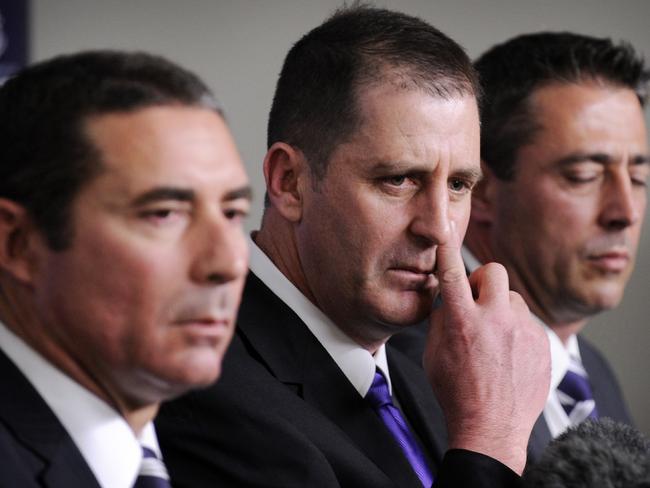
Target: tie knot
point(148, 453)
point(576, 386)
point(378, 395)
point(153, 473)
point(576, 397)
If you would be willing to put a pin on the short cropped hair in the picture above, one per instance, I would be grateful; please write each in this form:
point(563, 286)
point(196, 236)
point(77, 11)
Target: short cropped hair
point(315, 104)
point(511, 72)
point(45, 156)
point(599, 453)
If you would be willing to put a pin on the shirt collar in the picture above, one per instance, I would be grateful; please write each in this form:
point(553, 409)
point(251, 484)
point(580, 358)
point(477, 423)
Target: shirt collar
point(101, 434)
point(356, 363)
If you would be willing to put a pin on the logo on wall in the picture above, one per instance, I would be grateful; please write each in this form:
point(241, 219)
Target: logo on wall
point(13, 37)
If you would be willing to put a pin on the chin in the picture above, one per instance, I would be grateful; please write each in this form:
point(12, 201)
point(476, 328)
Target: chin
point(407, 312)
point(608, 295)
point(196, 370)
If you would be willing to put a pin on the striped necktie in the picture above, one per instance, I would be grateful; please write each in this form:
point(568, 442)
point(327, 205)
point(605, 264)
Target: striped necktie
point(575, 394)
point(379, 398)
point(153, 473)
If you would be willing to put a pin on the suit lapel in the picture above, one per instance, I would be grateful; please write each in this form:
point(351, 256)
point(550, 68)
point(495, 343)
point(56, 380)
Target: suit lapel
point(592, 366)
point(36, 427)
point(604, 386)
point(297, 359)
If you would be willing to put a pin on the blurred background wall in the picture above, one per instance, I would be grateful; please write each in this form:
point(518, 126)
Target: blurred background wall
point(238, 48)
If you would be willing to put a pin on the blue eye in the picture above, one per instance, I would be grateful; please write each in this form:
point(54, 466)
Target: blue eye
point(396, 180)
point(458, 185)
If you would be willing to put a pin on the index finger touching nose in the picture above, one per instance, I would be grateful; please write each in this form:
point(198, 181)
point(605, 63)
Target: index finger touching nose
point(452, 278)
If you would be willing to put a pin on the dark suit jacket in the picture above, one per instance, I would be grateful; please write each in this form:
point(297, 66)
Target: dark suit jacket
point(284, 415)
point(35, 449)
point(605, 387)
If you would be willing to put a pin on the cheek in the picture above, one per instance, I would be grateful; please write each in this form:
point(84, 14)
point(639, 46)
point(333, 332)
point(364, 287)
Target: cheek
point(111, 290)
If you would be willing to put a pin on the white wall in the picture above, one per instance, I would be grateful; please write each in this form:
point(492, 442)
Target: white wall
point(238, 48)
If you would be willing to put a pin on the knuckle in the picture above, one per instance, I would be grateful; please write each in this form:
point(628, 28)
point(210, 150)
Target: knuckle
point(516, 300)
point(496, 270)
point(452, 275)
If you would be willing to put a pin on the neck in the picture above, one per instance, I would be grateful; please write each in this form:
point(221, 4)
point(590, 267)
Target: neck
point(565, 330)
point(138, 418)
point(277, 239)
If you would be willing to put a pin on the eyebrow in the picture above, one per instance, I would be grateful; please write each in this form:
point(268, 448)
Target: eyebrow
point(186, 195)
point(469, 174)
point(601, 158)
point(164, 193)
point(474, 174)
point(242, 192)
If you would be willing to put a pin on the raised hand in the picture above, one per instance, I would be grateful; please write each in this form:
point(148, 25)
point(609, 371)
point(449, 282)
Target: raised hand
point(487, 359)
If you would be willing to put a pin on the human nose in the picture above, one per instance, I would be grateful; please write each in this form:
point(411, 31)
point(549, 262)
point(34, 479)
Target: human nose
point(222, 252)
point(620, 206)
point(431, 220)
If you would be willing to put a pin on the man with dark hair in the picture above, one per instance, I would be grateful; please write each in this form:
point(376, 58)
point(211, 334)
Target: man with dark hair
point(373, 151)
point(566, 163)
point(122, 259)
point(595, 453)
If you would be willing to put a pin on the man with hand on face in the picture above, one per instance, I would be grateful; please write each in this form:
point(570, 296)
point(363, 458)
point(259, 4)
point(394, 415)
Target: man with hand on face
point(122, 259)
point(373, 152)
point(566, 164)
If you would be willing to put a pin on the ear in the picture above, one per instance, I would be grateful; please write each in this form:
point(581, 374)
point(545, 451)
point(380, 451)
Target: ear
point(17, 235)
point(483, 196)
point(286, 172)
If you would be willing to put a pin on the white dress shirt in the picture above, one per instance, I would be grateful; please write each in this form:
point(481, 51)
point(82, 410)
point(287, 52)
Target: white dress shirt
point(555, 416)
point(105, 440)
point(356, 363)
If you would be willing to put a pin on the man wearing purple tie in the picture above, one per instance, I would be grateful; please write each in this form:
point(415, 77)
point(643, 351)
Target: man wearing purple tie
point(562, 202)
point(373, 149)
point(122, 260)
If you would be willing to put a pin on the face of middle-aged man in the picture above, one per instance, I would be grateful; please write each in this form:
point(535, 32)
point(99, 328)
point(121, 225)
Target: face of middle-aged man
point(568, 224)
point(145, 297)
point(369, 231)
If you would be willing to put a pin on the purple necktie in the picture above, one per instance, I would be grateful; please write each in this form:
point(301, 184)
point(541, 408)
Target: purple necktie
point(576, 397)
point(153, 473)
point(379, 397)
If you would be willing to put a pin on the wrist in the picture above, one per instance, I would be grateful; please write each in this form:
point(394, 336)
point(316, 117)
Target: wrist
point(507, 449)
